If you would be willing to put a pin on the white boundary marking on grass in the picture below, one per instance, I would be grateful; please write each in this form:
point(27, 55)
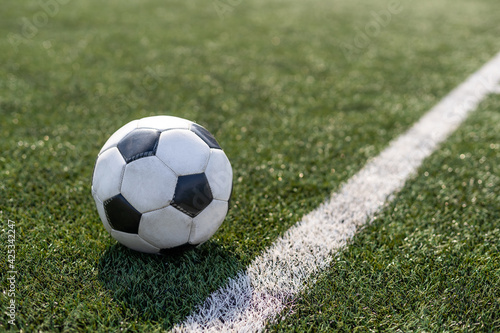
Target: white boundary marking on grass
point(259, 294)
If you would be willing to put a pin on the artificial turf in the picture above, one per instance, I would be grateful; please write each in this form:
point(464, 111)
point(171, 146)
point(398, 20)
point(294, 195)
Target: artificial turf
point(296, 114)
point(430, 262)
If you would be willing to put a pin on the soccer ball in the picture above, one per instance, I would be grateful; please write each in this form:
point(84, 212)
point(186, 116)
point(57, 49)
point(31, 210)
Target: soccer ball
point(162, 183)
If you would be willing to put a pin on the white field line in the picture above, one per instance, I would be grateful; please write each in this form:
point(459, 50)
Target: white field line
point(258, 294)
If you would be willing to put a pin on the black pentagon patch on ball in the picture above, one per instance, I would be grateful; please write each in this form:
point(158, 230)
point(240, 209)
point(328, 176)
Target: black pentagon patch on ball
point(139, 143)
point(205, 135)
point(122, 216)
point(192, 194)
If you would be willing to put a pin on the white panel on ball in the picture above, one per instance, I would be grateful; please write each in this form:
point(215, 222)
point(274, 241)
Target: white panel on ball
point(119, 134)
point(102, 213)
point(208, 221)
point(163, 123)
point(183, 151)
point(148, 184)
point(134, 241)
point(108, 174)
point(165, 228)
point(219, 174)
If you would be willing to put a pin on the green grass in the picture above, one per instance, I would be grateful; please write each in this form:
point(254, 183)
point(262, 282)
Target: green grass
point(430, 262)
point(269, 79)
